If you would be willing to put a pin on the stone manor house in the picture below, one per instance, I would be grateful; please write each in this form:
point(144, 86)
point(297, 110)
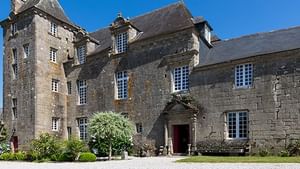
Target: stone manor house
point(165, 70)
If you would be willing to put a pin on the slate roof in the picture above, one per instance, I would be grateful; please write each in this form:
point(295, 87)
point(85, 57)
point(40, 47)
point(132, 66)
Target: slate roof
point(169, 19)
point(252, 45)
point(52, 7)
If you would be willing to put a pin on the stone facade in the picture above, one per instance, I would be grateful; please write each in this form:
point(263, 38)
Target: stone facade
point(158, 43)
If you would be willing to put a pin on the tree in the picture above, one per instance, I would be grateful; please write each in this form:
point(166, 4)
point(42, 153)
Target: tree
point(111, 130)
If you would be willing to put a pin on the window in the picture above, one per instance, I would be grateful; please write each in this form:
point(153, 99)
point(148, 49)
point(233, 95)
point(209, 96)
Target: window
point(121, 42)
point(15, 63)
point(53, 29)
point(139, 127)
point(69, 129)
point(82, 91)
point(14, 28)
point(54, 85)
point(207, 34)
point(237, 123)
point(53, 54)
point(181, 78)
point(14, 109)
point(243, 75)
point(26, 50)
point(69, 86)
point(82, 124)
point(55, 124)
point(122, 85)
point(81, 54)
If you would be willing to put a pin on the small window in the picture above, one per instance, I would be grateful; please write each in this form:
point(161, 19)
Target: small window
point(82, 124)
point(14, 28)
point(81, 54)
point(14, 109)
point(180, 78)
point(139, 127)
point(55, 124)
point(53, 55)
point(243, 75)
point(26, 50)
point(69, 86)
point(207, 34)
point(69, 129)
point(122, 85)
point(82, 92)
point(14, 65)
point(54, 85)
point(53, 29)
point(237, 125)
point(121, 42)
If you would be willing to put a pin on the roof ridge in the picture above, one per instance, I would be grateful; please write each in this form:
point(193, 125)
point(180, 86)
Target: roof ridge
point(261, 33)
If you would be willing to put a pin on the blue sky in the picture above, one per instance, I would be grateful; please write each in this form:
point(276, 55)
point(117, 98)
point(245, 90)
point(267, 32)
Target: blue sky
point(229, 18)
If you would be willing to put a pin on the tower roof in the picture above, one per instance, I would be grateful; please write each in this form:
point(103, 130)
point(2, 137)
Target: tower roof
point(51, 7)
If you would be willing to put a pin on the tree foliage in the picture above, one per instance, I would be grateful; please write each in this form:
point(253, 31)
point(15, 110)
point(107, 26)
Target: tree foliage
point(110, 130)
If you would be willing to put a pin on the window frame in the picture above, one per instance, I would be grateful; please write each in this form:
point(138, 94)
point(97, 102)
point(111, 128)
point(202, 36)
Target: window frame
point(14, 28)
point(69, 87)
point(121, 85)
point(26, 50)
point(82, 92)
point(14, 108)
point(53, 55)
point(53, 29)
point(82, 126)
point(121, 42)
point(242, 75)
point(139, 128)
point(207, 34)
point(237, 123)
point(15, 67)
point(55, 85)
point(81, 54)
point(55, 124)
point(183, 78)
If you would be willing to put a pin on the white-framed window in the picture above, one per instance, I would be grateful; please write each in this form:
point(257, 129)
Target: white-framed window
point(139, 127)
point(82, 124)
point(26, 50)
point(53, 55)
point(54, 85)
point(180, 78)
point(55, 124)
point(122, 85)
point(121, 42)
point(82, 92)
point(53, 29)
point(69, 88)
point(81, 54)
point(14, 28)
point(14, 65)
point(207, 34)
point(237, 125)
point(243, 75)
point(14, 105)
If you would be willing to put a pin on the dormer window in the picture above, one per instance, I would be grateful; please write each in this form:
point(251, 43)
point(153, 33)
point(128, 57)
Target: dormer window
point(121, 42)
point(207, 34)
point(81, 54)
point(14, 28)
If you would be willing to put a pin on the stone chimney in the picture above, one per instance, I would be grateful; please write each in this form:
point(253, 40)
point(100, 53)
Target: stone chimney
point(16, 5)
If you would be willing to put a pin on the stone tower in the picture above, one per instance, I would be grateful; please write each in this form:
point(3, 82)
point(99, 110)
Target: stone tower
point(37, 40)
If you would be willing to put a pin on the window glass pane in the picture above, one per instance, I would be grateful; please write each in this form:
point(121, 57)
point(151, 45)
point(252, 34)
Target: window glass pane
point(82, 91)
point(122, 85)
point(237, 123)
point(181, 78)
point(121, 42)
point(244, 75)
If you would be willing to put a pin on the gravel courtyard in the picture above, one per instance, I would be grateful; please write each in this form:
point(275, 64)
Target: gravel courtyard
point(142, 163)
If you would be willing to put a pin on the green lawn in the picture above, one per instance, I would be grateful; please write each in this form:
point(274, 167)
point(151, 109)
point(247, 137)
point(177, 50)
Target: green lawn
point(246, 159)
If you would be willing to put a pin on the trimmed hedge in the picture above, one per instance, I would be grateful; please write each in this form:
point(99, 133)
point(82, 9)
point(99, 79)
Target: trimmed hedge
point(87, 157)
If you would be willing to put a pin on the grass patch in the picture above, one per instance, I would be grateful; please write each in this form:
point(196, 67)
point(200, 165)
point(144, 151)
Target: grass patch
point(246, 159)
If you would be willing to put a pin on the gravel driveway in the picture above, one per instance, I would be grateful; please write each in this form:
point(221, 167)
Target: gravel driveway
point(142, 163)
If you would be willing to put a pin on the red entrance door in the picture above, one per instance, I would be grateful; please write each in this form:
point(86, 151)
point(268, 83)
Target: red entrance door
point(181, 138)
point(15, 143)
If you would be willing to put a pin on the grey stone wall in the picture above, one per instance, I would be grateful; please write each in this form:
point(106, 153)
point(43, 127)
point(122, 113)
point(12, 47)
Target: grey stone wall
point(273, 101)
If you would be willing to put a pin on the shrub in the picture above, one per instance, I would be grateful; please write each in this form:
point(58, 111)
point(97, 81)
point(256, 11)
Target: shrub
point(32, 156)
point(143, 147)
point(264, 153)
point(87, 157)
point(283, 153)
point(294, 148)
point(72, 148)
point(45, 147)
point(7, 156)
point(20, 156)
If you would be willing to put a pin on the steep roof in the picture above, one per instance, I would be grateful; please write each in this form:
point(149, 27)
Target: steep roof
point(169, 19)
point(252, 45)
point(52, 7)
